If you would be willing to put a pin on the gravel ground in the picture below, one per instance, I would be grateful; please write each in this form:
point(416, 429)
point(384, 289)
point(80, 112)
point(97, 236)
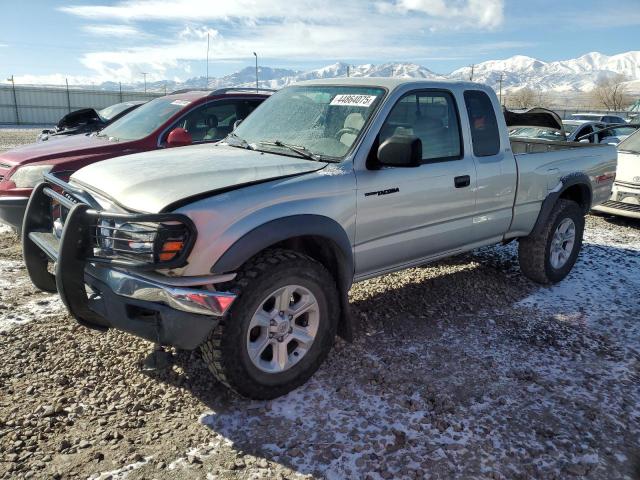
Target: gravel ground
point(461, 369)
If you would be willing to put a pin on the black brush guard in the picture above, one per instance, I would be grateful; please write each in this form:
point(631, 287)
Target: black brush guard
point(75, 248)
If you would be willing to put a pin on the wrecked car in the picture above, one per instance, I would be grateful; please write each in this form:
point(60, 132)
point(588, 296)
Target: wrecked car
point(248, 248)
point(87, 120)
point(175, 120)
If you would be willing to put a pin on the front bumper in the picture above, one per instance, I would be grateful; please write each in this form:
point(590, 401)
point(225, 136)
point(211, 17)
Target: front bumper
point(624, 201)
point(102, 295)
point(12, 211)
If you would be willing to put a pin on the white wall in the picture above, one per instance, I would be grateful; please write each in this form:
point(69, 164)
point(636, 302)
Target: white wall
point(46, 105)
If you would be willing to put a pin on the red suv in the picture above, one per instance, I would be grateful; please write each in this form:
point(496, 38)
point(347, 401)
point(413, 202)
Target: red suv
point(182, 118)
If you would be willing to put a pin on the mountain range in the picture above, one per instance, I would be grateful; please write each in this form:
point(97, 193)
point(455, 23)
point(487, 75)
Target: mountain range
point(565, 76)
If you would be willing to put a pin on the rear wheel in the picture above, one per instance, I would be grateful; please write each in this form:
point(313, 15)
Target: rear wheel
point(279, 329)
point(548, 255)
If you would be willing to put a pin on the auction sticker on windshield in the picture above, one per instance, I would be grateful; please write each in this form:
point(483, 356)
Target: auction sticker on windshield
point(353, 100)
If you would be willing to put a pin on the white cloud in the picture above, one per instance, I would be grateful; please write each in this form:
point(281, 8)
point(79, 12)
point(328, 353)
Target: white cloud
point(285, 30)
point(204, 10)
point(112, 30)
point(483, 14)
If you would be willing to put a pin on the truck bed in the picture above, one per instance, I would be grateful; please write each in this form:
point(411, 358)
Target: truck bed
point(543, 164)
point(522, 146)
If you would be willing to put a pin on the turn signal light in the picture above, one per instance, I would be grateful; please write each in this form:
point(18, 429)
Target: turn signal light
point(170, 249)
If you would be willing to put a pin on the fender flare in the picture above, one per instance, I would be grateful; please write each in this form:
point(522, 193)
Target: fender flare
point(282, 229)
point(285, 228)
point(566, 182)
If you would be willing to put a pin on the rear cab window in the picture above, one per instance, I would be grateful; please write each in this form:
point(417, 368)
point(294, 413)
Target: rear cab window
point(485, 133)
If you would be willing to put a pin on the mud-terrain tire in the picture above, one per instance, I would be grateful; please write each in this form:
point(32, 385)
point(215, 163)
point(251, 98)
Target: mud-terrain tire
point(538, 253)
point(283, 277)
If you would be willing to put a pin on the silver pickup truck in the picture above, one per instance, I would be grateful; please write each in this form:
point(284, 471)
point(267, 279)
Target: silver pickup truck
point(247, 248)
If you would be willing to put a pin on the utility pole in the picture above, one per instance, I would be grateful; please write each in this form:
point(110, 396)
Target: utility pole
point(144, 74)
point(15, 98)
point(501, 76)
point(68, 96)
point(473, 67)
point(207, 86)
point(348, 70)
point(256, 55)
point(120, 84)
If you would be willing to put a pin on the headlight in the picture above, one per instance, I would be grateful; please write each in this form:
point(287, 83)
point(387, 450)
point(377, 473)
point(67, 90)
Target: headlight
point(30, 175)
point(148, 242)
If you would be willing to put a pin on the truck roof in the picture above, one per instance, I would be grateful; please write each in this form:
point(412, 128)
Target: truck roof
point(389, 82)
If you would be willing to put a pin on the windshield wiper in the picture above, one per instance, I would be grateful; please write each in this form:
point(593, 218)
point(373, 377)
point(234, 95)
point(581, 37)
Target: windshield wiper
point(302, 151)
point(243, 143)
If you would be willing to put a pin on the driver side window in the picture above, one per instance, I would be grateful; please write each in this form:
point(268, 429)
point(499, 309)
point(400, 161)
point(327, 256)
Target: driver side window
point(210, 122)
point(432, 117)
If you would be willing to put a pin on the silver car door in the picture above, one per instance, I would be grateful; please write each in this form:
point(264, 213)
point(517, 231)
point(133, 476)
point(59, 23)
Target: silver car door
point(407, 214)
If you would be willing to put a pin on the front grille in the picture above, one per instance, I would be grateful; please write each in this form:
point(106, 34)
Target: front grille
point(628, 207)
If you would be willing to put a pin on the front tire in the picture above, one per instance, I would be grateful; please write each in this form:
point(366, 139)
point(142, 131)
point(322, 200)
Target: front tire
point(280, 328)
point(547, 256)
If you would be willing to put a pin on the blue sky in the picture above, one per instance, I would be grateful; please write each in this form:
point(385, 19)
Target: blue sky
point(46, 41)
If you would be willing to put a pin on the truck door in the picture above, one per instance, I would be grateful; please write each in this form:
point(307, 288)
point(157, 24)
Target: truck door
point(495, 166)
point(407, 214)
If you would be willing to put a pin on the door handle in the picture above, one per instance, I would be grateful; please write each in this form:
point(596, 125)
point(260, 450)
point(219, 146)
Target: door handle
point(462, 181)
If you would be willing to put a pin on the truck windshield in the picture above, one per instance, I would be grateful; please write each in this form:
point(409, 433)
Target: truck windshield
point(570, 127)
point(323, 121)
point(631, 144)
point(143, 120)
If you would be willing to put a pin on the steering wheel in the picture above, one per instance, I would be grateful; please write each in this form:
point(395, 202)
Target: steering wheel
point(342, 131)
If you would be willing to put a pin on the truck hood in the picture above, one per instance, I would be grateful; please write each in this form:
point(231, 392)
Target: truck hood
point(628, 168)
point(62, 149)
point(80, 117)
point(533, 117)
point(162, 180)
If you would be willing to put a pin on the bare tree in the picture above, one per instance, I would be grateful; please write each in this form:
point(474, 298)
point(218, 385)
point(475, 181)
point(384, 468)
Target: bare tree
point(524, 98)
point(610, 93)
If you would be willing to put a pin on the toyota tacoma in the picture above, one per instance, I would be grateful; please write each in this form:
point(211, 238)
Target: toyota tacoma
point(246, 248)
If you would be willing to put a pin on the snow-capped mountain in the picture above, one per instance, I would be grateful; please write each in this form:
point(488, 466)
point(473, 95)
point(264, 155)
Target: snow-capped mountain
point(336, 70)
point(574, 75)
point(569, 76)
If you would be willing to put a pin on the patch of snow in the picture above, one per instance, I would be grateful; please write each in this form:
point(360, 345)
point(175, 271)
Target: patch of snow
point(120, 473)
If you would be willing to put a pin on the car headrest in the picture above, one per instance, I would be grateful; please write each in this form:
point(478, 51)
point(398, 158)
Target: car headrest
point(212, 121)
point(354, 121)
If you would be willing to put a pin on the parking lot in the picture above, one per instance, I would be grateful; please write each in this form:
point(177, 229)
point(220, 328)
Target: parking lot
point(460, 368)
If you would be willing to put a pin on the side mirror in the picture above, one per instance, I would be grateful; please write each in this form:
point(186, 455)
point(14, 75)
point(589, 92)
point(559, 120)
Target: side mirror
point(179, 137)
point(400, 151)
point(237, 123)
